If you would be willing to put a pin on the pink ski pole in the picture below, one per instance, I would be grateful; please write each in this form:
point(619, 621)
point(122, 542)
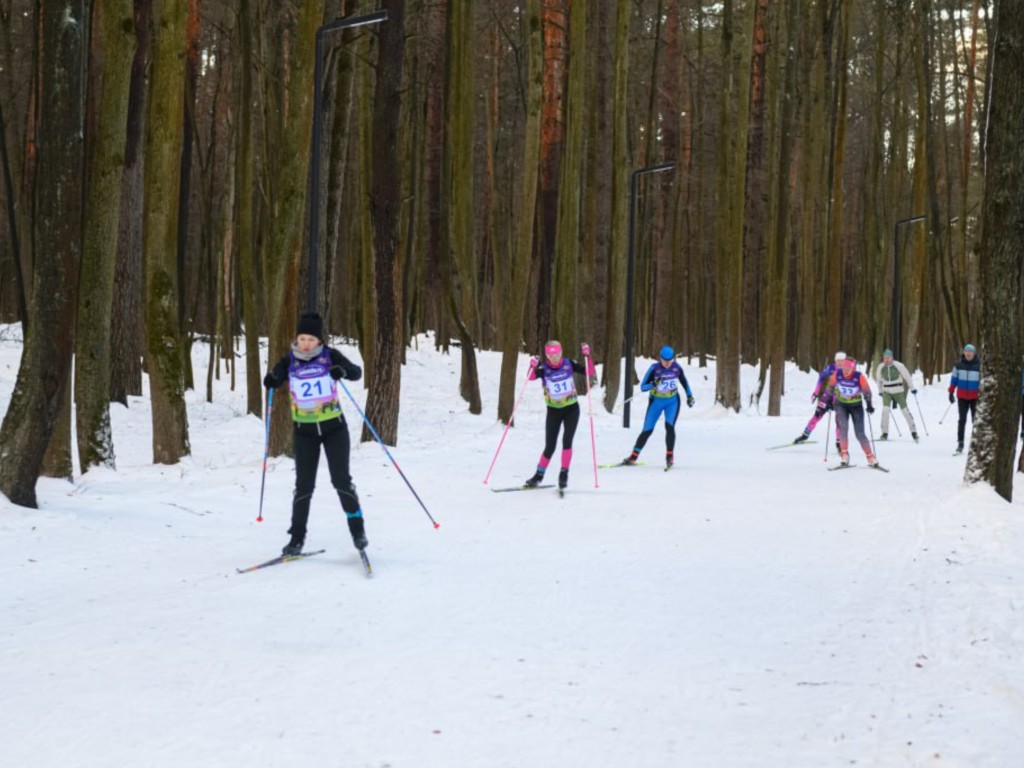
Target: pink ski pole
point(590, 409)
point(515, 408)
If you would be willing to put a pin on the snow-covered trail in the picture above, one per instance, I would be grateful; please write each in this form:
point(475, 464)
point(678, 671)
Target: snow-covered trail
point(747, 608)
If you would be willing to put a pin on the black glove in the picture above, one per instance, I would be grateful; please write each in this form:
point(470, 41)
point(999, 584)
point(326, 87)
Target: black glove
point(952, 399)
point(871, 408)
point(337, 372)
point(270, 382)
point(690, 401)
point(828, 406)
point(913, 391)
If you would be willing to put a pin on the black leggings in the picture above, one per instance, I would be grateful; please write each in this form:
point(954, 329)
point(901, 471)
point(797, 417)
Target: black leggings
point(964, 406)
point(557, 417)
point(333, 436)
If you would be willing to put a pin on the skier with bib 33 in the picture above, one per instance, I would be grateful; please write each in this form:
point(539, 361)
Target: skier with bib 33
point(852, 394)
point(312, 370)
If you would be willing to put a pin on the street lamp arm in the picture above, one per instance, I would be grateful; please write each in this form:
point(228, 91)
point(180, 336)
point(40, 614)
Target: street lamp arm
point(350, 21)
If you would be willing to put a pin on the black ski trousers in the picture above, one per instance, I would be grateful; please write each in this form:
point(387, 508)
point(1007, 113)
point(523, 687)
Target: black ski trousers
point(333, 436)
point(566, 419)
point(963, 406)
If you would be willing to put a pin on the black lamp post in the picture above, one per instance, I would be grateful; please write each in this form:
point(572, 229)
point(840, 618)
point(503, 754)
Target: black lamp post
point(628, 390)
point(314, 162)
point(897, 285)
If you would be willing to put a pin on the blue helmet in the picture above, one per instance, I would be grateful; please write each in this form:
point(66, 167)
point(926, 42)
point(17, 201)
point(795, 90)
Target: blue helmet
point(667, 353)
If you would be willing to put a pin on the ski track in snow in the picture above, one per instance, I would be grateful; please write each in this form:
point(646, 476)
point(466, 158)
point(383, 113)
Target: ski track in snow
point(745, 609)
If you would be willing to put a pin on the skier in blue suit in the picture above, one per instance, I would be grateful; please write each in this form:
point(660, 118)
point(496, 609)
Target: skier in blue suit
point(662, 380)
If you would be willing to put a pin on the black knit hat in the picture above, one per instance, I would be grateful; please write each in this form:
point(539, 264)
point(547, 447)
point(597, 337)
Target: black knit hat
point(311, 324)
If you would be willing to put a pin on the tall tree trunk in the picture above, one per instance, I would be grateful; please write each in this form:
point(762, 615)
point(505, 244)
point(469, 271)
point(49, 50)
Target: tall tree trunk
point(837, 330)
point(160, 235)
point(288, 95)
point(384, 383)
point(458, 197)
point(49, 342)
point(756, 261)
point(512, 336)
point(565, 306)
point(994, 443)
point(553, 17)
point(113, 50)
point(787, 49)
point(733, 120)
point(126, 334)
point(616, 305)
point(597, 188)
point(246, 200)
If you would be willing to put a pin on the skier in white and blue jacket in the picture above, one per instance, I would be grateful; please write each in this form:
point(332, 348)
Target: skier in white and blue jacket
point(662, 380)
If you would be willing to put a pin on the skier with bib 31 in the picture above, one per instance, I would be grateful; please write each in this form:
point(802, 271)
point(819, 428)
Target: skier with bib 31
point(556, 374)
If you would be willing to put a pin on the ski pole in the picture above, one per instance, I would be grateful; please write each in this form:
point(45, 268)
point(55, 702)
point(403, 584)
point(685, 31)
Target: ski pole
point(828, 433)
point(366, 421)
point(944, 414)
point(266, 451)
point(871, 431)
point(590, 410)
point(617, 407)
point(919, 412)
point(511, 418)
point(894, 421)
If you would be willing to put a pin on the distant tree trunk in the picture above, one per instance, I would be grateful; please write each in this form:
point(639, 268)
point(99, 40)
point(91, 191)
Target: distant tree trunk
point(384, 385)
point(512, 340)
point(113, 50)
point(994, 443)
point(835, 201)
point(787, 49)
point(245, 201)
point(160, 235)
point(49, 342)
point(953, 277)
point(19, 118)
point(733, 120)
point(616, 306)
point(458, 200)
point(288, 99)
point(566, 309)
point(126, 332)
point(186, 288)
point(553, 17)
point(596, 189)
point(756, 229)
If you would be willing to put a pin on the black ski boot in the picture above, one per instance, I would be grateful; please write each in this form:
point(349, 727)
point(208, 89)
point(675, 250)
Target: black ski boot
point(292, 548)
point(534, 481)
point(885, 436)
point(802, 438)
point(914, 435)
point(563, 479)
point(959, 449)
point(358, 531)
point(669, 460)
point(631, 459)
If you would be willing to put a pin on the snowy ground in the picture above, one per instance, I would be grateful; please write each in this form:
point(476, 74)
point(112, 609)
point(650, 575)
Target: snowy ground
point(748, 608)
